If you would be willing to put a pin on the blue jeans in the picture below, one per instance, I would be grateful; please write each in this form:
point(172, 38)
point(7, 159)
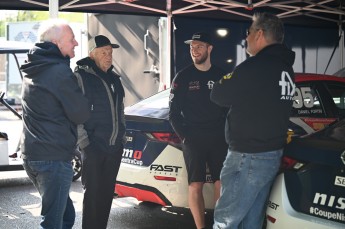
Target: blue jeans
point(53, 180)
point(246, 179)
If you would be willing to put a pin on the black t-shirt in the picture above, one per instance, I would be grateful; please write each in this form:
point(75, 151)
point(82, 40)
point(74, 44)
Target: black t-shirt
point(191, 109)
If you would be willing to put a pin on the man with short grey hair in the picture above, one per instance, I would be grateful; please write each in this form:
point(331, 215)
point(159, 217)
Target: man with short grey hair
point(101, 138)
point(53, 105)
point(259, 94)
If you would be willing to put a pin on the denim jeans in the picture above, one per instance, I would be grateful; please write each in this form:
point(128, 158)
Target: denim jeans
point(246, 179)
point(53, 180)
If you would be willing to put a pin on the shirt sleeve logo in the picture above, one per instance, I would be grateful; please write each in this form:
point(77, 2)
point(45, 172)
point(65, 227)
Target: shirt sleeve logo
point(226, 77)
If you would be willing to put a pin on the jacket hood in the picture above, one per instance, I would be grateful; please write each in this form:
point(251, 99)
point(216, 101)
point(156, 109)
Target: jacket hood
point(280, 51)
point(42, 56)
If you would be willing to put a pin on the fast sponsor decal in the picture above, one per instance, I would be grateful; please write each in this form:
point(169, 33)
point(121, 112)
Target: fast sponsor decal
point(340, 181)
point(165, 168)
point(133, 157)
point(272, 205)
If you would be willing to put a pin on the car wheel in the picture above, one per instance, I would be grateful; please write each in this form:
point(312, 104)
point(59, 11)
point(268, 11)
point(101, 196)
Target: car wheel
point(76, 164)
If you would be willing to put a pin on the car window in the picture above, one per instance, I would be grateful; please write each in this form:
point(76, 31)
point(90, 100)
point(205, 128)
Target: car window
point(337, 92)
point(156, 106)
point(159, 100)
point(307, 102)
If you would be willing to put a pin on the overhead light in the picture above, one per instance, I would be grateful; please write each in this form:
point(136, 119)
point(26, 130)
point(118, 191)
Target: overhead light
point(222, 32)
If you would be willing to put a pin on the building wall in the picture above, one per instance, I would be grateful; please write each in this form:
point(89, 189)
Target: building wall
point(313, 47)
point(131, 60)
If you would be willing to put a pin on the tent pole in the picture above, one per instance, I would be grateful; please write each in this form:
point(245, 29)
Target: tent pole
point(169, 26)
point(341, 46)
point(53, 8)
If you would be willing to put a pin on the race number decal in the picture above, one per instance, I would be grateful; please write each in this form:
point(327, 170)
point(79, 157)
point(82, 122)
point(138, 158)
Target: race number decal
point(303, 97)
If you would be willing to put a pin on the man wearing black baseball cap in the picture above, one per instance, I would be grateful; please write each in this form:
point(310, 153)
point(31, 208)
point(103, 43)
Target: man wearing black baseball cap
point(101, 138)
point(100, 41)
point(200, 36)
point(199, 122)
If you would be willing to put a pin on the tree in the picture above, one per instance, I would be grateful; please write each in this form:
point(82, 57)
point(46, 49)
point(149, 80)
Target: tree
point(21, 15)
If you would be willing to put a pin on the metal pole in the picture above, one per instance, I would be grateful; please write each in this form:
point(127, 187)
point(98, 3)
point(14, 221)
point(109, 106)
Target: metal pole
point(341, 46)
point(168, 74)
point(53, 9)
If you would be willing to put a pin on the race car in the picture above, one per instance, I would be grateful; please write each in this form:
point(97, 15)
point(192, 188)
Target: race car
point(153, 167)
point(309, 191)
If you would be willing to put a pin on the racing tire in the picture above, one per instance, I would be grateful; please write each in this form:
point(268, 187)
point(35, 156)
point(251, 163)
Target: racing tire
point(77, 165)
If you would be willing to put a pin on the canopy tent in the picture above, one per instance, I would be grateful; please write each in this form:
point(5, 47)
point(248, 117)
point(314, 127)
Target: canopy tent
point(300, 12)
point(324, 13)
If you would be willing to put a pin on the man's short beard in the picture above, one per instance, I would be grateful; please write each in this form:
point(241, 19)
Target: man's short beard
point(201, 60)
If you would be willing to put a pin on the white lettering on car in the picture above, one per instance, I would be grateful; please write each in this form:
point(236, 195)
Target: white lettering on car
point(272, 205)
point(340, 181)
point(165, 168)
point(327, 214)
point(303, 97)
point(130, 156)
point(330, 201)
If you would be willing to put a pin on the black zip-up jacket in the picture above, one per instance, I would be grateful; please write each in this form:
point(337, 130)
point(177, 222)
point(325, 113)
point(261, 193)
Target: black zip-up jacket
point(53, 105)
point(105, 131)
point(191, 110)
point(260, 94)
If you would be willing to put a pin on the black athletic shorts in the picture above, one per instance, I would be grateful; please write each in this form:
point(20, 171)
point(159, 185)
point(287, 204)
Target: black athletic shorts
point(202, 149)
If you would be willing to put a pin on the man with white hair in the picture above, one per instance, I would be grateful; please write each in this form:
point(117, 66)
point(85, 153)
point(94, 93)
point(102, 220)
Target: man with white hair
point(53, 105)
point(101, 137)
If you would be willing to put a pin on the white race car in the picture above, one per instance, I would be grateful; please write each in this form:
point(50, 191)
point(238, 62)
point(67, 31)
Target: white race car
point(153, 168)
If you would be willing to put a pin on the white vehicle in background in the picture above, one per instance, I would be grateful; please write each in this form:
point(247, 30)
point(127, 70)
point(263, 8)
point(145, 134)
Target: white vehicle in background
point(10, 161)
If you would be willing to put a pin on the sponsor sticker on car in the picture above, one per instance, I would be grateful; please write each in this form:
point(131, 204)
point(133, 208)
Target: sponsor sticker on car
point(340, 181)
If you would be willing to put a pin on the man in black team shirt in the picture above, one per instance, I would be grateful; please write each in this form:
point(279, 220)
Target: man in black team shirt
point(199, 122)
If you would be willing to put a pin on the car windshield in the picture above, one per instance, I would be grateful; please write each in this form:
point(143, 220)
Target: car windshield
point(156, 106)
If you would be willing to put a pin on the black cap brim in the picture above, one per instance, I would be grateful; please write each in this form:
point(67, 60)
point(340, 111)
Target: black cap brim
point(115, 46)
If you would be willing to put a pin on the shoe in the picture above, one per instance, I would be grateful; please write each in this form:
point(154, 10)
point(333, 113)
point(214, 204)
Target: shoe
point(14, 155)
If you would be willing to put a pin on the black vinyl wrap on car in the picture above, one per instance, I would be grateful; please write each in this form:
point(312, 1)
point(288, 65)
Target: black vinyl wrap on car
point(312, 187)
point(137, 127)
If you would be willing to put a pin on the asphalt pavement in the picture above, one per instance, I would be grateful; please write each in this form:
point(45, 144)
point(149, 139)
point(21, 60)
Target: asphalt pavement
point(20, 202)
point(20, 208)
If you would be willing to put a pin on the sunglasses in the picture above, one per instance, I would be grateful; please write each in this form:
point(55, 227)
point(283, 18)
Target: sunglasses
point(248, 31)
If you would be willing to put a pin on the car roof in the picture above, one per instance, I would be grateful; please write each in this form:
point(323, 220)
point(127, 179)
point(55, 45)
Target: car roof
point(14, 47)
point(302, 77)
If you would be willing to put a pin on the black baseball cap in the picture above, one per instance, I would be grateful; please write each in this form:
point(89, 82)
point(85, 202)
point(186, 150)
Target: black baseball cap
point(100, 41)
point(200, 36)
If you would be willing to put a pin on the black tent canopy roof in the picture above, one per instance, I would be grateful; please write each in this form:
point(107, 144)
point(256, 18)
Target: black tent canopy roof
point(326, 13)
